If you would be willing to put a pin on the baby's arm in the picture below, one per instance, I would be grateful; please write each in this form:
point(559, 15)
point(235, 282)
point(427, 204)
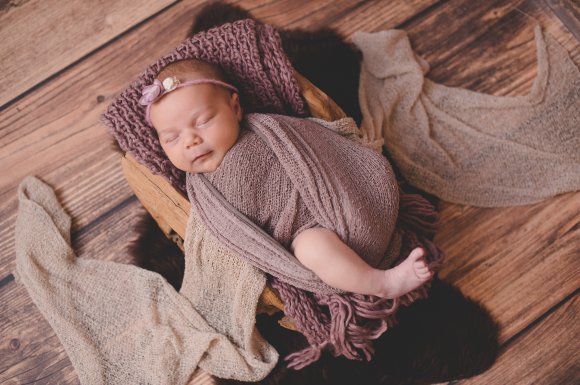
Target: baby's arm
point(323, 252)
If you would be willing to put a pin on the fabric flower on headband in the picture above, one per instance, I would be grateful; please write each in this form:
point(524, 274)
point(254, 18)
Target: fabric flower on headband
point(152, 92)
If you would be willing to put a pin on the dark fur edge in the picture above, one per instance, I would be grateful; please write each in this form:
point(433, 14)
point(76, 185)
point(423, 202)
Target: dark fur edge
point(153, 251)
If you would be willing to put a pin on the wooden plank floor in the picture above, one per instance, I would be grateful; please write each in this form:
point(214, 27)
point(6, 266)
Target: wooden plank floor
point(63, 62)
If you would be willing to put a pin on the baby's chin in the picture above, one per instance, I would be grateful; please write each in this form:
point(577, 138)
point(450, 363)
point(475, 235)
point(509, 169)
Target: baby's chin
point(198, 171)
point(201, 169)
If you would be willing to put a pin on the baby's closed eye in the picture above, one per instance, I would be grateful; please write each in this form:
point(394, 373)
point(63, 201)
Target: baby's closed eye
point(204, 120)
point(170, 138)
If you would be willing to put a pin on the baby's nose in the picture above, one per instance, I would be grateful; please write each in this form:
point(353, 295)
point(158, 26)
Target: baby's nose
point(192, 140)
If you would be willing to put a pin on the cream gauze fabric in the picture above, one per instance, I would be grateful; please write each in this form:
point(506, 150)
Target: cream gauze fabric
point(467, 147)
point(121, 324)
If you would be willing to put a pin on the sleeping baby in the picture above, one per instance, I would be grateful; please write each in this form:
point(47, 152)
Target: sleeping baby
point(197, 116)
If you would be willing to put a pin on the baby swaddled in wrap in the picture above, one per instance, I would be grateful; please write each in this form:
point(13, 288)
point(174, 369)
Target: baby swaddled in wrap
point(285, 186)
point(288, 175)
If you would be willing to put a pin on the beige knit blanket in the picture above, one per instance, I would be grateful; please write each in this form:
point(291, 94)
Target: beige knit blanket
point(121, 324)
point(467, 147)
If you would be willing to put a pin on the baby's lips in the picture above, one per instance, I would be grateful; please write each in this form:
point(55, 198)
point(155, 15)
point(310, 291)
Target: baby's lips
point(199, 156)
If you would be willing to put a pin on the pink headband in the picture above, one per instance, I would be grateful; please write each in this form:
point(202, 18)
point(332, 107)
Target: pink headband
point(155, 91)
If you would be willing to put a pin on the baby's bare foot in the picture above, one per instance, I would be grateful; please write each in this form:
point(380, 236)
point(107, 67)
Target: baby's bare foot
point(407, 276)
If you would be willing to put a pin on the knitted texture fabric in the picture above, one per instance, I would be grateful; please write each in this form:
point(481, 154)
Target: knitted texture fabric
point(250, 204)
point(284, 213)
point(284, 163)
point(467, 147)
point(249, 53)
point(121, 324)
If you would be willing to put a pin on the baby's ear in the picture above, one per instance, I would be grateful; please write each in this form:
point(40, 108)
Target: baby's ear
point(235, 102)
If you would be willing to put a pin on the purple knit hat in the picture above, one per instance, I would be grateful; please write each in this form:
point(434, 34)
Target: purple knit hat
point(250, 54)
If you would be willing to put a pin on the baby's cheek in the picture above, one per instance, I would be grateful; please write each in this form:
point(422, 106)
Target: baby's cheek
point(174, 157)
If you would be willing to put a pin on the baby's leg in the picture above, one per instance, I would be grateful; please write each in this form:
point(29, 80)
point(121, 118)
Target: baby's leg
point(323, 252)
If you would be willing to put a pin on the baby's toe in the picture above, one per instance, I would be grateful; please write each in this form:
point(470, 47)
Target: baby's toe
point(422, 269)
point(425, 274)
point(420, 264)
point(417, 253)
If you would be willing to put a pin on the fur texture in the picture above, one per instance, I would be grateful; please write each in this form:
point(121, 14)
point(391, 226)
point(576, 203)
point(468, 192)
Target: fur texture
point(443, 338)
point(153, 251)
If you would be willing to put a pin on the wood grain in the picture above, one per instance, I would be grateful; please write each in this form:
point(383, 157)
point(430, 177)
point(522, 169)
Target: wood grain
point(511, 266)
point(522, 262)
point(487, 46)
point(319, 104)
point(91, 191)
point(345, 16)
point(547, 354)
point(569, 13)
point(167, 206)
point(27, 358)
point(41, 38)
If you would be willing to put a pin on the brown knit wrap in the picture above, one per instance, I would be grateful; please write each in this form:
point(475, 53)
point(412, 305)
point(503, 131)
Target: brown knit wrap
point(345, 187)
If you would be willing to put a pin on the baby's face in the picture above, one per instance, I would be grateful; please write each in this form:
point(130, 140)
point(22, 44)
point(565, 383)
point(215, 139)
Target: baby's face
point(197, 125)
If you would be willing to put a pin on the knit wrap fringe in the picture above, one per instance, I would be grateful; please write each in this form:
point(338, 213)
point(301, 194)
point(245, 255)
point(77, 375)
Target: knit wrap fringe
point(346, 324)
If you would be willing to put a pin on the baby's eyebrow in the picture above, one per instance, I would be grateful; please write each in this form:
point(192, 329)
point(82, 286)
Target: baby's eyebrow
point(166, 130)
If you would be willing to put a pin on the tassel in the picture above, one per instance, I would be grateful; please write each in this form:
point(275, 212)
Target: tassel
point(304, 357)
point(418, 213)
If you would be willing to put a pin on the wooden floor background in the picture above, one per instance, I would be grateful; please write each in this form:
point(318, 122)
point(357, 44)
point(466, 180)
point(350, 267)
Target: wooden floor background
point(63, 61)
